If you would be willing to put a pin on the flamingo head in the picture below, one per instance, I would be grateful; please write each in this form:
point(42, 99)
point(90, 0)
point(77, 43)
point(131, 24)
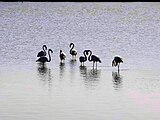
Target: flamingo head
point(44, 46)
point(50, 50)
point(87, 52)
point(71, 44)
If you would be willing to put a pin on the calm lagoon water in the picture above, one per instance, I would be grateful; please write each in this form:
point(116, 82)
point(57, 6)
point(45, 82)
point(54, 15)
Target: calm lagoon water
point(68, 91)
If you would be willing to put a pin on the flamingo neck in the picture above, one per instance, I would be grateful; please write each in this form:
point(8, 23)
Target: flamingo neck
point(89, 58)
point(84, 52)
point(72, 46)
point(49, 56)
point(44, 50)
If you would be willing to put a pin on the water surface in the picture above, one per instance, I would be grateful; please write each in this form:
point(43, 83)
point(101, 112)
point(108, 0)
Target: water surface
point(68, 91)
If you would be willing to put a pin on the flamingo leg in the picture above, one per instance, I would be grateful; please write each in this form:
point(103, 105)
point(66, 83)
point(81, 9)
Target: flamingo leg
point(96, 65)
point(93, 65)
point(118, 71)
point(118, 67)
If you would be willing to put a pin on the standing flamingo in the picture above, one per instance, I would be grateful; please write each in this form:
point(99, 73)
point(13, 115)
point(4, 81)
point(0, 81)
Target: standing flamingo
point(42, 53)
point(116, 61)
point(83, 59)
point(73, 52)
point(62, 56)
point(44, 59)
point(93, 58)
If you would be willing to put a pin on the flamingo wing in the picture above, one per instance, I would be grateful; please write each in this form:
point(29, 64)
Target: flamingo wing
point(40, 54)
point(42, 59)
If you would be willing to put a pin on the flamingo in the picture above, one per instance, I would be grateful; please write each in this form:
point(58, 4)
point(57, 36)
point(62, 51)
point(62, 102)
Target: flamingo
point(83, 59)
point(42, 53)
point(73, 52)
point(93, 58)
point(62, 56)
point(44, 59)
point(116, 61)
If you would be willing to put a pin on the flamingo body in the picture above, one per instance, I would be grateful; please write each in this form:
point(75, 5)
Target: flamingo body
point(95, 58)
point(62, 55)
point(82, 59)
point(73, 52)
point(42, 59)
point(41, 53)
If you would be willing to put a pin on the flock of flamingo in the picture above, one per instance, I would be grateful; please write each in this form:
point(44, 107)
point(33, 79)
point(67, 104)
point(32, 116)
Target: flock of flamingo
point(87, 53)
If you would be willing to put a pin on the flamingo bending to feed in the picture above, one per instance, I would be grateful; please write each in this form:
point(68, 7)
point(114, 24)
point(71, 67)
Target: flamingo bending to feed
point(62, 56)
point(116, 61)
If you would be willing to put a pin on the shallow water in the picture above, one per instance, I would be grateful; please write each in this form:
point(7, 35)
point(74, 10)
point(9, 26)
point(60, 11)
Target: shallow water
point(68, 91)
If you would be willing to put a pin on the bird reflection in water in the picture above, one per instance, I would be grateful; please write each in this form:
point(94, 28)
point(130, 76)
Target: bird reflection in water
point(44, 75)
point(72, 63)
point(83, 71)
point(117, 80)
point(62, 69)
point(91, 77)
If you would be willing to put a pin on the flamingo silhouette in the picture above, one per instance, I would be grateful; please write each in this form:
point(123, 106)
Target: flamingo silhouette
point(93, 58)
point(83, 59)
point(116, 61)
point(62, 56)
point(73, 52)
point(44, 59)
point(42, 53)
